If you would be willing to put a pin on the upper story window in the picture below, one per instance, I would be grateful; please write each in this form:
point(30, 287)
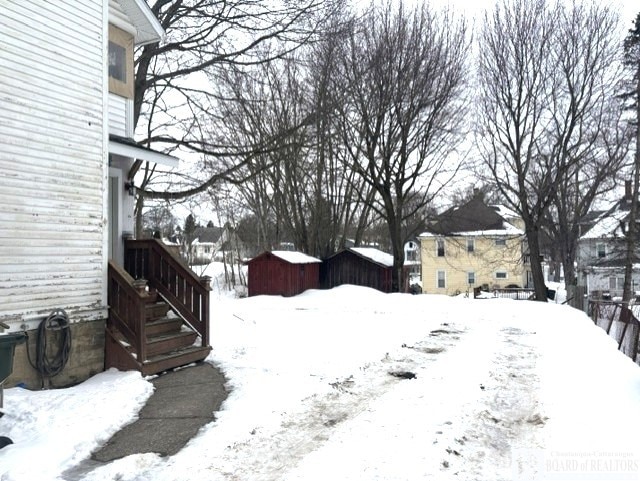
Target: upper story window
point(471, 245)
point(440, 247)
point(501, 275)
point(601, 250)
point(501, 242)
point(120, 62)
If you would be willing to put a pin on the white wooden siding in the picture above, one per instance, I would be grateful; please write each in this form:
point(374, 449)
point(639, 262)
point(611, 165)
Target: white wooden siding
point(52, 159)
point(118, 116)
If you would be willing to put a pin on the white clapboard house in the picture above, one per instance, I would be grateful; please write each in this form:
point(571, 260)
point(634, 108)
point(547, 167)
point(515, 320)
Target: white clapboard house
point(71, 274)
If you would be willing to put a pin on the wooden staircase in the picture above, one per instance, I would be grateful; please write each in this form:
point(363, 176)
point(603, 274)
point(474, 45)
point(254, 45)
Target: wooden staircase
point(147, 333)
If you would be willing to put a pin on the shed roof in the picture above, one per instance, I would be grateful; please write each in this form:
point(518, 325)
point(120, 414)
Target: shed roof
point(375, 255)
point(291, 257)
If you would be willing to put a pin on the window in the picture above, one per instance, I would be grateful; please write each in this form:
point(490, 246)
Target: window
point(616, 283)
point(501, 242)
point(440, 247)
point(471, 278)
point(120, 62)
point(601, 251)
point(471, 245)
point(501, 275)
point(442, 280)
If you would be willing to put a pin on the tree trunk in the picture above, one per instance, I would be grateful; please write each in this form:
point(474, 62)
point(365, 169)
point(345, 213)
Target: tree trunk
point(631, 233)
point(536, 265)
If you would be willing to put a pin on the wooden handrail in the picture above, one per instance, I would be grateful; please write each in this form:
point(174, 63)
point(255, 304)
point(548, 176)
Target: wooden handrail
point(187, 293)
point(127, 308)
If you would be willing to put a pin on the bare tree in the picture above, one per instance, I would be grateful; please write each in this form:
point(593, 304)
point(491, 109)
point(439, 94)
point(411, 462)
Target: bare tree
point(175, 101)
point(405, 71)
point(632, 61)
point(545, 115)
point(305, 185)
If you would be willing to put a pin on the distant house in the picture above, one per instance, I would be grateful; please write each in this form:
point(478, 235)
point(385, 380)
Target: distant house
point(207, 242)
point(473, 245)
point(601, 252)
point(283, 273)
point(412, 262)
point(360, 266)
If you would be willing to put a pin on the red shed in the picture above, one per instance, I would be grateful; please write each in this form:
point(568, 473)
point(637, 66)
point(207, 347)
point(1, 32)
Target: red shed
point(362, 266)
point(283, 273)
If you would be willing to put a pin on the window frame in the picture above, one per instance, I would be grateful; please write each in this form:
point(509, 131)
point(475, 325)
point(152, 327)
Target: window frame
point(470, 275)
point(440, 248)
point(619, 281)
point(604, 250)
point(496, 276)
point(122, 39)
point(444, 279)
point(500, 242)
point(471, 245)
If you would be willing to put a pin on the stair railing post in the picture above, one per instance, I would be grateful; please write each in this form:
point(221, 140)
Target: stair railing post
point(141, 339)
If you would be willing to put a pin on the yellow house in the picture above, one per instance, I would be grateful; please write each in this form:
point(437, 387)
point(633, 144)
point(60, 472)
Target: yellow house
point(473, 245)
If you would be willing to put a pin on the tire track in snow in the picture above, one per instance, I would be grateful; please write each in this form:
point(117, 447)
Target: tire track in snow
point(269, 454)
point(411, 432)
point(507, 416)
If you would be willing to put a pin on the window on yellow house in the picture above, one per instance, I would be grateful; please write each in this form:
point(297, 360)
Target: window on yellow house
point(442, 280)
point(471, 278)
point(501, 242)
point(501, 275)
point(440, 247)
point(471, 245)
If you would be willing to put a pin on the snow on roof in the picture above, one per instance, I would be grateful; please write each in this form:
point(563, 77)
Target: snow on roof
point(505, 212)
point(508, 230)
point(607, 225)
point(375, 255)
point(293, 257)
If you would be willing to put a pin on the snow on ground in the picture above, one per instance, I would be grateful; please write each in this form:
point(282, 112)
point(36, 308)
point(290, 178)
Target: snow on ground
point(503, 390)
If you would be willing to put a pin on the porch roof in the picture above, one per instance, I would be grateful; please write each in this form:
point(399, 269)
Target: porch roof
point(130, 148)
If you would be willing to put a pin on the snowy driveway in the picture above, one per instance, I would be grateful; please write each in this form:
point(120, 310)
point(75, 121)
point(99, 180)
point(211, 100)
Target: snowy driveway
point(503, 390)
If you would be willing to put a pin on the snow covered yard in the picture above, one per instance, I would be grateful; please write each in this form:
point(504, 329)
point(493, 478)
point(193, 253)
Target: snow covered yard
point(322, 389)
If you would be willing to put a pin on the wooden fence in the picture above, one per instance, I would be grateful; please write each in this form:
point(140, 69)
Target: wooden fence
point(620, 322)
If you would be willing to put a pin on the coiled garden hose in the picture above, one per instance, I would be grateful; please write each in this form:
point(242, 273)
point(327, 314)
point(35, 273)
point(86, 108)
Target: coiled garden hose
point(50, 362)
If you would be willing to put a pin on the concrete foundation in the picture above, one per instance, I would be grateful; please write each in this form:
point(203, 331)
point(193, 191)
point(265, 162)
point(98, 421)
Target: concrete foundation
point(86, 357)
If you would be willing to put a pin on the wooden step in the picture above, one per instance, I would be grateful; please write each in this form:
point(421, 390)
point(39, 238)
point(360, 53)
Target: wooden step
point(167, 342)
point(156, 310)
point(173, 359)
point(163, 325)
point(119, 356)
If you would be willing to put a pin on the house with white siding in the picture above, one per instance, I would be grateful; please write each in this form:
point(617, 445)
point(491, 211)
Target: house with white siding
point(67, 163)
point(602, 252)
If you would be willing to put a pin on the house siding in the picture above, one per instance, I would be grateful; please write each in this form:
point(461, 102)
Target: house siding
point(118, 121)
point(52, 160)
point(484, 262)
